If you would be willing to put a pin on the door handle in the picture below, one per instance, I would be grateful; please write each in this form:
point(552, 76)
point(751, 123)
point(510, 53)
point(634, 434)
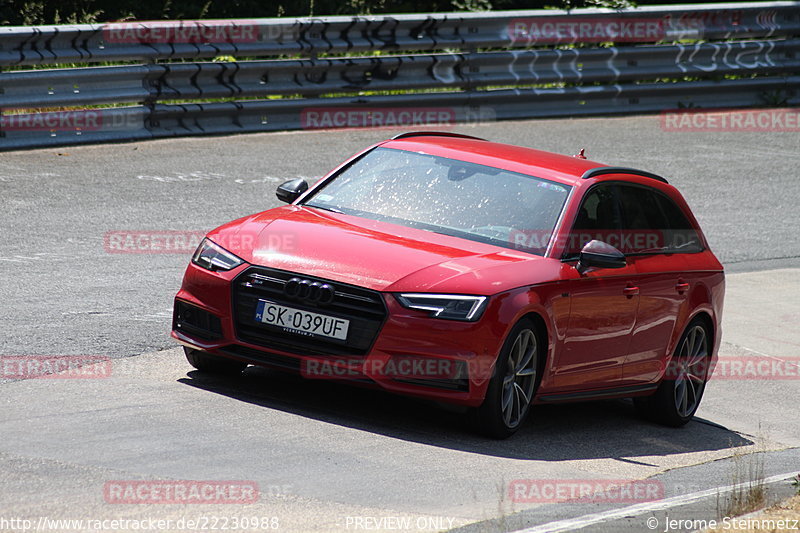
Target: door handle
point(630, 292)
point(682, 287)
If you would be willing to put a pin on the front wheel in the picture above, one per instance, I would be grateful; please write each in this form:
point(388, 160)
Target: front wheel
point(514, 382)
point(680, 391)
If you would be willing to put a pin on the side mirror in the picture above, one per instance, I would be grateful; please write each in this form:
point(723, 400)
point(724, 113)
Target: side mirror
point(291, 190)
point(598, 254)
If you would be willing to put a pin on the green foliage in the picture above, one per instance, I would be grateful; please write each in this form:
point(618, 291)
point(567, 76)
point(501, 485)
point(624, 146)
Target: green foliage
point(776, 98)
point(612, 4)
point(472, 5)
point(32, 12)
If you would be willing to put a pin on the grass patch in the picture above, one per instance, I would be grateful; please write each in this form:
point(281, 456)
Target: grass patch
point(750, 493)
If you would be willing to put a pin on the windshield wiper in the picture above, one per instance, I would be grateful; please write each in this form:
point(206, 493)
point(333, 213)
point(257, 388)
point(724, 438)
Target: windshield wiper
point(324, 208)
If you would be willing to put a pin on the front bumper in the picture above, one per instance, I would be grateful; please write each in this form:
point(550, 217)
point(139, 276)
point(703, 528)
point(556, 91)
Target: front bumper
point(400, 350)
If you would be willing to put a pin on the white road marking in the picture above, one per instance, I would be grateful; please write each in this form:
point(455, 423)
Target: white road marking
point(190, 177)
point(571, 524)
point(762, 354)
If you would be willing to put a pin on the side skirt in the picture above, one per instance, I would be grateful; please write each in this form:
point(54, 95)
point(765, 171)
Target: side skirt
point(620, 392)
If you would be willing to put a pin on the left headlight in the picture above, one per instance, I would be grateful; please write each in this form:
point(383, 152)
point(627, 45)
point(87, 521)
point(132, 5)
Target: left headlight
point(448, 306)
point(214, 257)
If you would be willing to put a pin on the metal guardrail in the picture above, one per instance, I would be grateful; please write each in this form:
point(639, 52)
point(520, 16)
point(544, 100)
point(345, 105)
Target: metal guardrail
point(488, 66)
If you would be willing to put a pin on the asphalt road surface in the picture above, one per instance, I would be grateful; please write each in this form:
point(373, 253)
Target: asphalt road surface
point(328, 457)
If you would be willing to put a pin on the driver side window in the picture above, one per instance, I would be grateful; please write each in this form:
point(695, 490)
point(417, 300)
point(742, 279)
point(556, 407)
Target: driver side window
point(599, 218)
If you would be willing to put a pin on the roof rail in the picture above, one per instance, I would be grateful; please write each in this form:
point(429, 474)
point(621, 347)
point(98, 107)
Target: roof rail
point(599, 171)
point(434, 134)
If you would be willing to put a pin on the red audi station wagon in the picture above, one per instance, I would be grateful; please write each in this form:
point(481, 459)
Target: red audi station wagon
point(463, 271)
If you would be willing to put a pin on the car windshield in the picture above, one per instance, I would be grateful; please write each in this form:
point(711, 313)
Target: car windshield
point(448, 196)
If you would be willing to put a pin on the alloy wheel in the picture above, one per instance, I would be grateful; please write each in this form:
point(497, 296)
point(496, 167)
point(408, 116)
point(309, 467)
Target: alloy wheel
point(520, 378)
point(691, 371)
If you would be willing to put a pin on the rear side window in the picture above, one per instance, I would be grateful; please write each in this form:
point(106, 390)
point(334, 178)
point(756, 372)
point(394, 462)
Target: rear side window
point(653, 223)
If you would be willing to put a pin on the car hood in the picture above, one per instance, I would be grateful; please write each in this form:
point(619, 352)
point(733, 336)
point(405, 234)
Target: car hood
point(378, 255)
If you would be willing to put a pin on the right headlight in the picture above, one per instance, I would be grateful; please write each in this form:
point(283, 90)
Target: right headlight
point(214, 257)
point(447, 306)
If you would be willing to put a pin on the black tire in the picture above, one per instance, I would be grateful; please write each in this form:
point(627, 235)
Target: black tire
point(213, 364)
point(513, 386)
point(680, 391)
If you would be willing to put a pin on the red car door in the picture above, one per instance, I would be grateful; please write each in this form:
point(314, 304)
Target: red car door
point(603, 302)
point(659, 237)
point(662, 297)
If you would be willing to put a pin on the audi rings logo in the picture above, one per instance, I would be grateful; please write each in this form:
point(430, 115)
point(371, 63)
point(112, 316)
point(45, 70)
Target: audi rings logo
point(308, 290)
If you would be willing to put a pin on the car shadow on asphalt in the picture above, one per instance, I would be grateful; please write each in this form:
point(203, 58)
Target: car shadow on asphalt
point(587, 430)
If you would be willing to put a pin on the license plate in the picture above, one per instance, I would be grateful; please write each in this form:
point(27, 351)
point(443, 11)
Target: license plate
point(301, 322)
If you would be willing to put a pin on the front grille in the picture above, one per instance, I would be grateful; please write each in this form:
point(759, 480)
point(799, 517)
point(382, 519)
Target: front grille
point(364, 308)
point(195, 321)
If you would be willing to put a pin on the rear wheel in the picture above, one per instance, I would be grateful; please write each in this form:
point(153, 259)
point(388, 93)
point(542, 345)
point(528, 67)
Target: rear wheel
point(213, 364)
point(678, 396)
point(515, 380)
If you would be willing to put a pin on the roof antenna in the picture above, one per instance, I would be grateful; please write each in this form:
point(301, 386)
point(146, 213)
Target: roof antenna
point(580, 155)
